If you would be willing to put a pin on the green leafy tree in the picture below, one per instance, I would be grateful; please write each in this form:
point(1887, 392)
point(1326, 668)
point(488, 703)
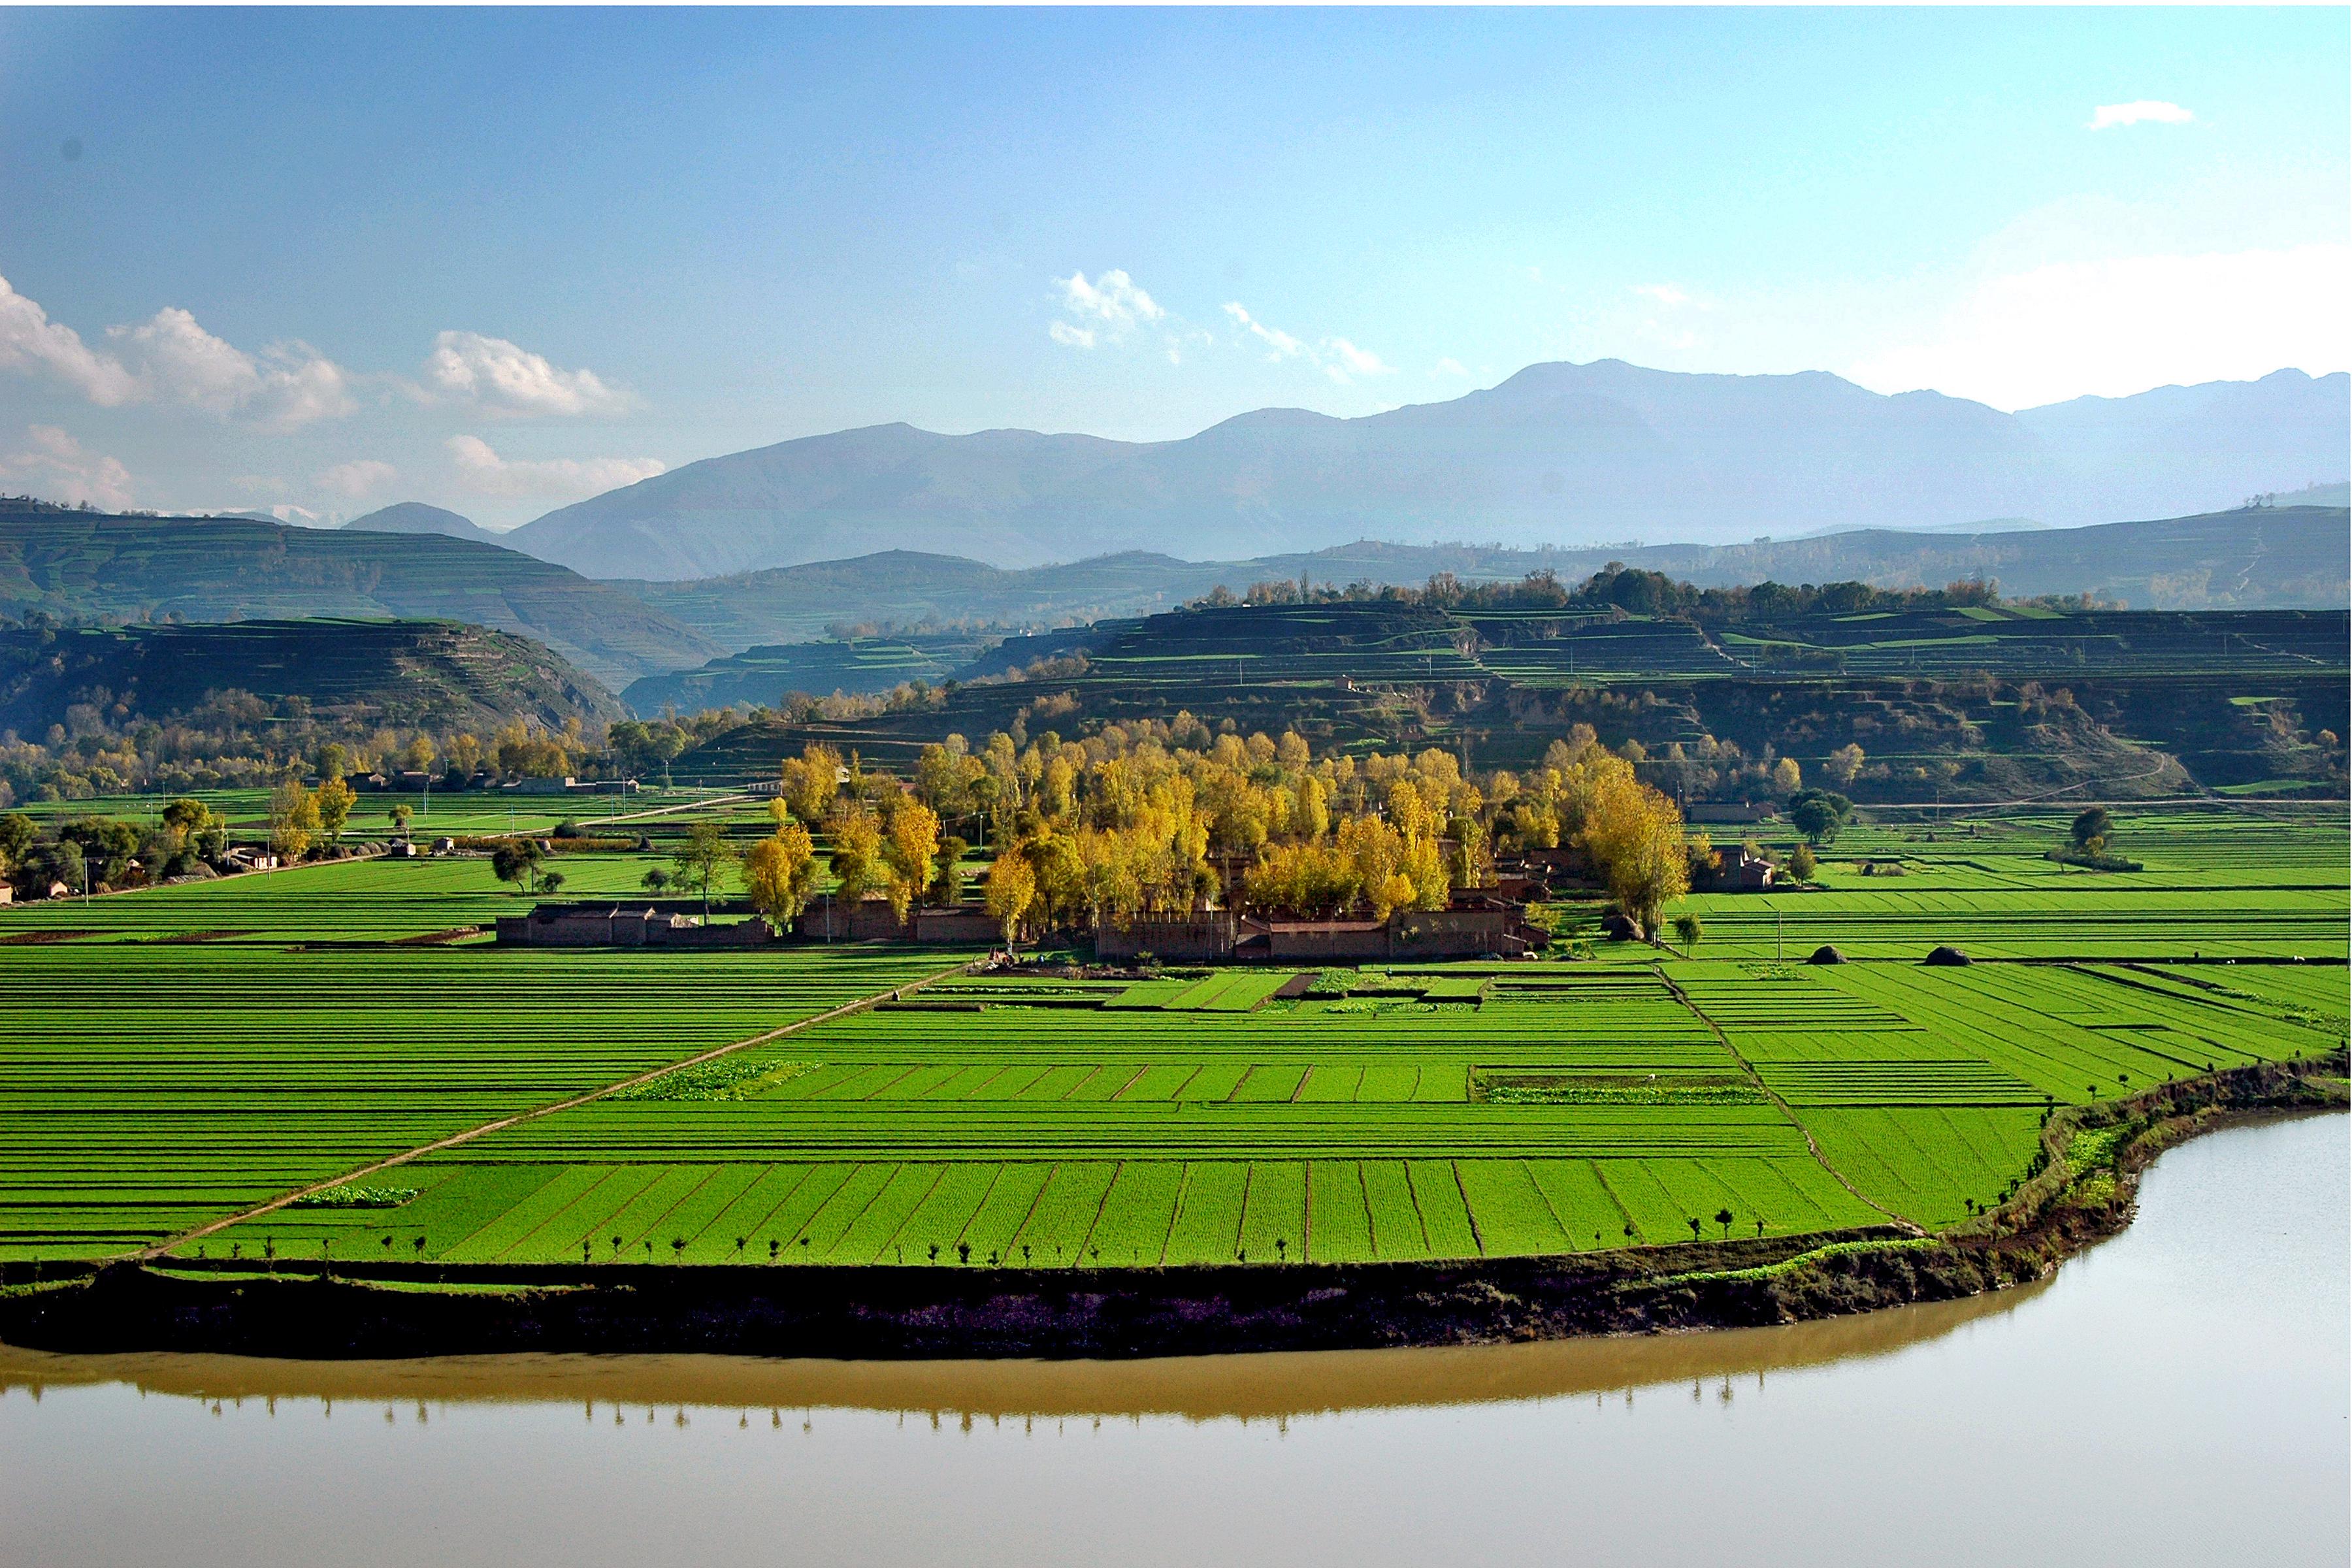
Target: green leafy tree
point(17, 835)
point(1804, 863)
point(702, 857)
point(1818, 813)
point(946, 882)
point(1689, 926)
point(517, 861)
point(2093, 829)
point(105, 845)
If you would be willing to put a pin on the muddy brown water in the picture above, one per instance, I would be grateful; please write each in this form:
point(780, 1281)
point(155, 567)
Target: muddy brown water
point(2179, 1394)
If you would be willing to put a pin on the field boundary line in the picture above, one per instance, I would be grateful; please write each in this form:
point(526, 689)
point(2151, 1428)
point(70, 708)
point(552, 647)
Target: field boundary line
point(722, 798)
point(158, 1249)
point(1787, 1109)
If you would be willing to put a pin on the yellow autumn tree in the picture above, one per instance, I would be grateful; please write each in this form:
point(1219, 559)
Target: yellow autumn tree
point(910, 846)
point(1011, 888)
point(780, 875)
point(1634, 837)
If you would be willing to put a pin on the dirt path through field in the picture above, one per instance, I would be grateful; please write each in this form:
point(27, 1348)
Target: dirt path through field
point(467, 1136)
point(1786, 1108)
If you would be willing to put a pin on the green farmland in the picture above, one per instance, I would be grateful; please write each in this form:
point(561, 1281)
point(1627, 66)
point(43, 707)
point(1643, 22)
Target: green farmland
point(178, 1056)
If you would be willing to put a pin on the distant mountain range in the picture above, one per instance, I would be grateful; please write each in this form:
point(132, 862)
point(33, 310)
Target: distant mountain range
point(1561, 454)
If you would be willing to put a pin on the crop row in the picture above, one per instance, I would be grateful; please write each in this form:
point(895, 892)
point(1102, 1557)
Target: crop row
point(1035, 1213)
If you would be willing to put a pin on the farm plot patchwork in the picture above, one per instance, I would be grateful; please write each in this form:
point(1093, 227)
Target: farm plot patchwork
point(1572, 1109)
point(177, 1055)
point(148, 1089)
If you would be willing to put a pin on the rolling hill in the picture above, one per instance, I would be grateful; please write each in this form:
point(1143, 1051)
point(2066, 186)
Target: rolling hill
point(435, 673)
point(1559, 455)
point(1975, 701)
point(75, 564)
point(2264, 558)
point(415, 516)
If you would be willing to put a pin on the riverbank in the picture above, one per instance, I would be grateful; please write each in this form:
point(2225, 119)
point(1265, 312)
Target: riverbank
point(2081, 1190)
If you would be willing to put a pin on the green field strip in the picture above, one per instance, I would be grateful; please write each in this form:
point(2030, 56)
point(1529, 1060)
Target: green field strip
point(842, 1208)
point(1274, 1212)
point(945, 1213)
point(1331, 1084)
point(1514, 1217)
point(1057, 1082)
point(784, 1223)
point(1398, 1234)
point(1163, 1081)
point(1131, 1230)
point(1270, 1084)
point(874, 1235)
point(757, 1192)
point(1340, 1214)
point(569, 1189)
point(1444, 1214)
point(1207, 1228)
point(1583, 1205)
point(1064, 1213)
point(1006, 1210)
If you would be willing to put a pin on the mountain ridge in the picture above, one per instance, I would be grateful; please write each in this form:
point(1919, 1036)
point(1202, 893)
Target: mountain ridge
point(1558, 453)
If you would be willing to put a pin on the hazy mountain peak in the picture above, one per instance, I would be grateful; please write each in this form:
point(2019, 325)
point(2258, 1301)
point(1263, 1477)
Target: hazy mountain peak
point(415, 516)
point(1558, 453)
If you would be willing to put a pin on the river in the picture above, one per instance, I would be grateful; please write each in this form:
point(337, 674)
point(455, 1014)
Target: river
point(2178, 1395)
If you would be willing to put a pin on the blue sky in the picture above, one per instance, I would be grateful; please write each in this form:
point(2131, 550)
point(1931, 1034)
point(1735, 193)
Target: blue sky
point(497, 261)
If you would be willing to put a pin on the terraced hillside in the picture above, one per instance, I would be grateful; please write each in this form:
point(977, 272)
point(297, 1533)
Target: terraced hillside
point(73, 563)
point(761, 676)
point(1998, 703)
point(406, 672)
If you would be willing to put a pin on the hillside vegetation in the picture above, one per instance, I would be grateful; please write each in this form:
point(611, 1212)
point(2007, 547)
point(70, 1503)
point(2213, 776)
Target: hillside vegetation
point(2269, 558)
point(407, 673)
point(69, 564)
point(1890, 697)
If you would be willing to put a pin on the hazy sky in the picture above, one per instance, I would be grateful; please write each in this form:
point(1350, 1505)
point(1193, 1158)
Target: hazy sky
point(500, 260)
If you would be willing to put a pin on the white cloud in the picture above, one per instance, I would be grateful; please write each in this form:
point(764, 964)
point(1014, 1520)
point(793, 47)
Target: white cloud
point(358, 477)
point(1282, 345)
point(2121, 325)
point(1113, 298)
point(1451, 366)
point(288, 385)
point(56, 463)
point(560, 478)
point(1663, 293)
point(507, 378)
point(170, 359)
point(1338, 358)
point(1071, 337)
point(1348, 359)
point(30, 340)
point(2152, 111)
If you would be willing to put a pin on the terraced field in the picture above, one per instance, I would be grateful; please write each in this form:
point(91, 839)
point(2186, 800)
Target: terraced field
point(177, 1057)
